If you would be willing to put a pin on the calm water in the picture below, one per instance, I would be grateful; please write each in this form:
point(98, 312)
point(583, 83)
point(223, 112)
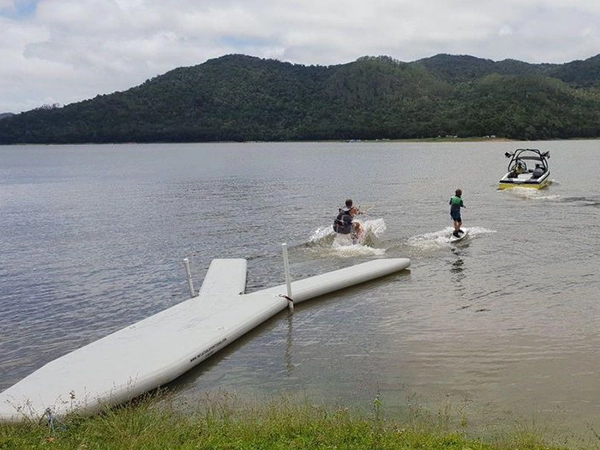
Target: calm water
point(503, 327)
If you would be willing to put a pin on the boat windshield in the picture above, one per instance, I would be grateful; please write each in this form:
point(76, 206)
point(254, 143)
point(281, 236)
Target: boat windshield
point(527, 159)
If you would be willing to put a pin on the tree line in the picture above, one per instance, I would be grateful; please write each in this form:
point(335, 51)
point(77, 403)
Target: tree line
point(244, 98)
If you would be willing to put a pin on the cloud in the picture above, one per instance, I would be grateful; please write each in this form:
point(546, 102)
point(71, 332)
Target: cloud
point(62, 51)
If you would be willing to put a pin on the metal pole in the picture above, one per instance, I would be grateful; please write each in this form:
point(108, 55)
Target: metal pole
point(186, 263)
point(286, 268)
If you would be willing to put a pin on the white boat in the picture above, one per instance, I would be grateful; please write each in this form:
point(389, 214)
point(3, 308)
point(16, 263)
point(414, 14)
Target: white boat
point(528, 167)
point(156, 350)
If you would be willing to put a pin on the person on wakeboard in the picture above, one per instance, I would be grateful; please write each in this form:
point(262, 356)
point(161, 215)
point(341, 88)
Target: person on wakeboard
point(456, 202)
point(344, 222)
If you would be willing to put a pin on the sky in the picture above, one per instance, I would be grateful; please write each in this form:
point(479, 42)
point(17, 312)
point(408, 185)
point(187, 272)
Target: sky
point(64, 51)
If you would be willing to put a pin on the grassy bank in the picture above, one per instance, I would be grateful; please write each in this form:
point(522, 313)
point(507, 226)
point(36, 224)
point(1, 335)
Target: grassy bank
point(278, 424)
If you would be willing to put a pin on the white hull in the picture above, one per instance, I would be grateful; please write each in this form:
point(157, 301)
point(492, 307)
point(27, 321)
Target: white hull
point(524, 180)
point(156, 350)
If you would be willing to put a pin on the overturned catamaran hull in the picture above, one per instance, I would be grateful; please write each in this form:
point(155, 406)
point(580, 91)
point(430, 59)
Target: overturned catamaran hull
point(156, 350)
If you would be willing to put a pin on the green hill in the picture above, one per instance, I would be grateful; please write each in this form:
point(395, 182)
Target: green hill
point(242, 98)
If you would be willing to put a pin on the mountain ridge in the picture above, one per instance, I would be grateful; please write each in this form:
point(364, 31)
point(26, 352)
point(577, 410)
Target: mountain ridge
point(242, 98)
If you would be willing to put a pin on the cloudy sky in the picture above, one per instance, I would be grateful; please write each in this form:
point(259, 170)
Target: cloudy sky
point(64, 51)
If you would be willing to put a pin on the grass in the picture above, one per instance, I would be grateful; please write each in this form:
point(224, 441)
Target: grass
point(282, 423)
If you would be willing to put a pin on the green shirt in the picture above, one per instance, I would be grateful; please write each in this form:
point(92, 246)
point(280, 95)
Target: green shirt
point(455, 203)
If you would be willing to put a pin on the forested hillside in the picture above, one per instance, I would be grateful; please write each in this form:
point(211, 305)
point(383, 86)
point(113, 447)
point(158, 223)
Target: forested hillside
point(243, 98)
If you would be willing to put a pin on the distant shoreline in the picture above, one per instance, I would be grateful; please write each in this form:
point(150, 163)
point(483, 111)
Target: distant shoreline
point(436, 139)
point(349, 141)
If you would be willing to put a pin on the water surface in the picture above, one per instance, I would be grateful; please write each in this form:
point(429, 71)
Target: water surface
point(504, 325)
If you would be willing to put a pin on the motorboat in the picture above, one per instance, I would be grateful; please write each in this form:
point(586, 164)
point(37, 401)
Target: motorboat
point(528, 167)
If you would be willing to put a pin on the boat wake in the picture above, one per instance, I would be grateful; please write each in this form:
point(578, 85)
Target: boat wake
point(583, 201)
point(441, 238)
point(533, 194)
point(325, 240)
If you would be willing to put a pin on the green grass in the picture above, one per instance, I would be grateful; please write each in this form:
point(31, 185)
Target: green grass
point(282, 423)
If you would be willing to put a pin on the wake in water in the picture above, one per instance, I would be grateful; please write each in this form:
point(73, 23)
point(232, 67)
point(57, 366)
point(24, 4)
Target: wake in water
point(533, 194)
point(441, 238)
point(583, 201)
point(326, 241)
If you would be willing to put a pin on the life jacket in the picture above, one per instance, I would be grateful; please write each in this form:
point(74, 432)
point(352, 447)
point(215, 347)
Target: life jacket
point(455, 203)
point(455, 200)
point(343, 222)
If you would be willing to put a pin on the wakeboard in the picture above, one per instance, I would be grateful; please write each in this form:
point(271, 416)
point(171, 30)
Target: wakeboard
point(454, 239)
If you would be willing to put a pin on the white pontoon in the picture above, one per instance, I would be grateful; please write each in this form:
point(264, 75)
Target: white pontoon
point(156, 350)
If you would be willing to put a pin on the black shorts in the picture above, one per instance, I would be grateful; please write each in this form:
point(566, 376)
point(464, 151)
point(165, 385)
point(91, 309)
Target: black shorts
point(455, 216)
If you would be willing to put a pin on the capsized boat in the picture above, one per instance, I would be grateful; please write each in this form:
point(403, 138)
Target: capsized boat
point(528, 167)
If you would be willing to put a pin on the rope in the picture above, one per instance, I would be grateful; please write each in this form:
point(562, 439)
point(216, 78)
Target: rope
point(290, 302)
point(365, 211)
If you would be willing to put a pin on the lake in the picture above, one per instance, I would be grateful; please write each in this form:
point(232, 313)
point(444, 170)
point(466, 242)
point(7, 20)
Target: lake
point(504, 327)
